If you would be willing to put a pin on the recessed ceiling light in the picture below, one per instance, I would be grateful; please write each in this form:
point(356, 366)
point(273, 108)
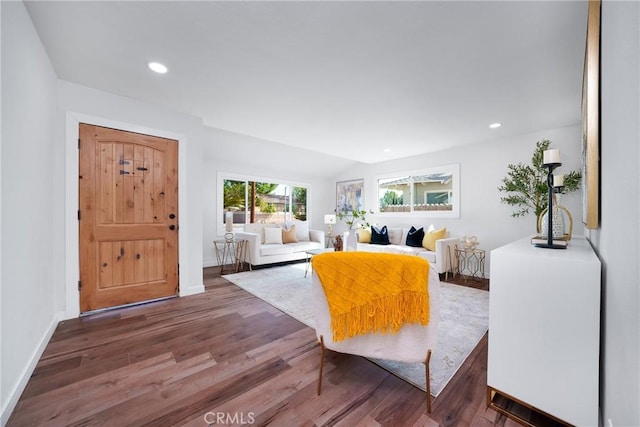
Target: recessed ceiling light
point(158, 67)
point(495, 125)
point(387, 150)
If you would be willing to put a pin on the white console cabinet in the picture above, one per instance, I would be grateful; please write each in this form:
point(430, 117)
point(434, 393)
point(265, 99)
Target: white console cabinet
point(544, 330)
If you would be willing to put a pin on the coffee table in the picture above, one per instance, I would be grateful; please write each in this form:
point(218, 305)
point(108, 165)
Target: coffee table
point(310, 253)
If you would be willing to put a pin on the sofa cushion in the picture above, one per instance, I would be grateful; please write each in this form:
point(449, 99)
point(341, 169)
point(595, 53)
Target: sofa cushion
point(304, 246)
point(364, 235)
point(272, 235)
point(369, 247)
point(289, 235)
point(405, 250)
point(395, 236)
point(379, 236)
point(253, 228)
point(276, 249)
point(428, 255)
point(415, 237)
point(302, 230)
point(429, 241)
point(257, 228)
point(390, 249)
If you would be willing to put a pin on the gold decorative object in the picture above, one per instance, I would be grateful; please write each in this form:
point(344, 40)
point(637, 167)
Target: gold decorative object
point(470, 242)
point(591, 119)
point(566, 236)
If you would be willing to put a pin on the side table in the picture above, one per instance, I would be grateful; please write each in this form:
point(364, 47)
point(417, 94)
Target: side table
point(470, 262)
point(329, 241)
point(231, 252)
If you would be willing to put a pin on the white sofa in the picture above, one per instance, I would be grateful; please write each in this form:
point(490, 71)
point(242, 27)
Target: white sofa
point(261, 252)
point(441, 258)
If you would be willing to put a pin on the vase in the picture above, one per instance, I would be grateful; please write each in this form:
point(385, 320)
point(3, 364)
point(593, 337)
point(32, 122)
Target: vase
point(558, 226)
point(352, 241)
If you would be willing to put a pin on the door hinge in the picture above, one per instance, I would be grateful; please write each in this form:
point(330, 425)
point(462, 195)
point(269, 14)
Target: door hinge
point(78, 143)
point(178, 269)
point(78, 214)
point(79, 284)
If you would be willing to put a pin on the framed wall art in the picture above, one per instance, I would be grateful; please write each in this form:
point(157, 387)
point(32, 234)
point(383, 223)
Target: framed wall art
point(591, 120)
point(350, 195)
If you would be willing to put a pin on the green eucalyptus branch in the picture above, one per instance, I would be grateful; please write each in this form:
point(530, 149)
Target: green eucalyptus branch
point(354, 217)
point(526, 185)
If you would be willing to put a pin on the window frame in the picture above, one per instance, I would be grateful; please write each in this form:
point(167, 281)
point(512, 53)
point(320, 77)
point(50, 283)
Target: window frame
point(454, 169)
point(223, 176)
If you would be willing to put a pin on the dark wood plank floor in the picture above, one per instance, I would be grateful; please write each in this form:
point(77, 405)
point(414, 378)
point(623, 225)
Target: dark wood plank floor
point(225, 357)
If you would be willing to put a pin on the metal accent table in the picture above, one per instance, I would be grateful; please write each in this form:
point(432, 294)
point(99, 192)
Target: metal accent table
point(329, 240)
point(470, 261)
point(231, 252)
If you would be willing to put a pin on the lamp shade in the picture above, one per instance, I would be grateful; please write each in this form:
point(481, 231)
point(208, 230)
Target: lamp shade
point(329, 219)
point(228, 222)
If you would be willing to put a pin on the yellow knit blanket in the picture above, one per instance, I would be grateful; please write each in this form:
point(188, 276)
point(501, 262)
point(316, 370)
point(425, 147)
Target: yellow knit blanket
point(373, 292)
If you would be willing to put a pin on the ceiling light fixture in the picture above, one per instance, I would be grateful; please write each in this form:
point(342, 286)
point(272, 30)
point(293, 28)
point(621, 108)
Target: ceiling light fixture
point(387, 150)
point(158, 67)
point(495, 125)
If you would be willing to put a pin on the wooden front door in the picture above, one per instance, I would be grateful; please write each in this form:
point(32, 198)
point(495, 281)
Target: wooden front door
point(128, 217)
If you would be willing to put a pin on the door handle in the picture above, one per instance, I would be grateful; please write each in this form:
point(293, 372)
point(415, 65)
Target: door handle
point(172, 227)
point(172, 216)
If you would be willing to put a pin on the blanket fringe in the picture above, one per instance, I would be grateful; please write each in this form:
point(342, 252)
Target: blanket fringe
point(384, 316)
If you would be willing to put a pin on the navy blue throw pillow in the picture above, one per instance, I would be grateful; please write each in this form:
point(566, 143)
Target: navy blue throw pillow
point(379, 236)
point(414, 237)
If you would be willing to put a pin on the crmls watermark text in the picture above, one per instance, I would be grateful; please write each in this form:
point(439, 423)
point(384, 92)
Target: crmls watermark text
point(227, 418)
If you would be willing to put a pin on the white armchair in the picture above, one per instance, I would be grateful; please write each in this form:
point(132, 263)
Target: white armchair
point(412, 344)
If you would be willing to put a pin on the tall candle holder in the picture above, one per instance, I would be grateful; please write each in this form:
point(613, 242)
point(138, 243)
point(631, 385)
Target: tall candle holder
point(551, 161)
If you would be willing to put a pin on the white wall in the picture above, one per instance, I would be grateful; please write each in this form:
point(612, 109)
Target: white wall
point(482, 168)
point(28, 311)
point(245, 155)
point(617, 238)
point(2, 402)
point(39, 193)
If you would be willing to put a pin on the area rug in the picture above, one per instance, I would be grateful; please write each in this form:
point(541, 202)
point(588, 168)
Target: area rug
point(464, 319)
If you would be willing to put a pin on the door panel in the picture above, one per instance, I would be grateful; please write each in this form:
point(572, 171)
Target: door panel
point(128, 207)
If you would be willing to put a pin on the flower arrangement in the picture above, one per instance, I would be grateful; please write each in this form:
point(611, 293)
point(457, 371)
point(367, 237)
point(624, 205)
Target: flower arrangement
point(354, 217)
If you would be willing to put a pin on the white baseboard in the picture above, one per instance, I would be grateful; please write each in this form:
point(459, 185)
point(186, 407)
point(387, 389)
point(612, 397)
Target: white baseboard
point(209, 263)
point(16, 392)
point(191, 290)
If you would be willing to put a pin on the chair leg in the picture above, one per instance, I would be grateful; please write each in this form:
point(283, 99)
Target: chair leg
point(321, 364)
point(426, 364)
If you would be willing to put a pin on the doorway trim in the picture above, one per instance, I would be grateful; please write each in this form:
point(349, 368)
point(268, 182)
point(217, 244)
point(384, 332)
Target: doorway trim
point(72, 235)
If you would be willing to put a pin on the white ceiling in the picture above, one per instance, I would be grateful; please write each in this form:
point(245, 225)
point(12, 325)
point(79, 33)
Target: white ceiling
point(345, 78)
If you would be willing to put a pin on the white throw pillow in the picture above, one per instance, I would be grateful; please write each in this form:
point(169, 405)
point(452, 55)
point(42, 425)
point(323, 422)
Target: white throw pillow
point(272, 235)
point(395, 236)
point(302, 231)
point(255, 228)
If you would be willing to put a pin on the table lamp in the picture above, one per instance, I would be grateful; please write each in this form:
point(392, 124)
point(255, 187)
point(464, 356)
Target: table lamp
point(228, 225)
point(330, 219)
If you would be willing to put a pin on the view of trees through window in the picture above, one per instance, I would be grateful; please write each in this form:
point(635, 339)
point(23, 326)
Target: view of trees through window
point(252, 201)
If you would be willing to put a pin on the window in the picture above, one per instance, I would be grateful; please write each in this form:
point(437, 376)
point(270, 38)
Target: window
point(431, 192)
point(252, 200)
